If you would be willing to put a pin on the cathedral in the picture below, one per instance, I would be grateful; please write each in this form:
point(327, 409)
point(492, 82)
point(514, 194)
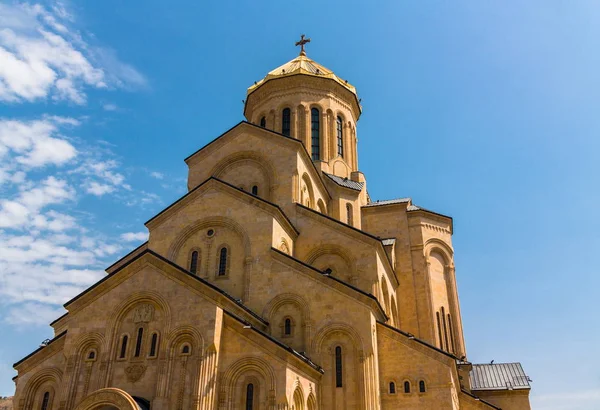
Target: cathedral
point(275, 283)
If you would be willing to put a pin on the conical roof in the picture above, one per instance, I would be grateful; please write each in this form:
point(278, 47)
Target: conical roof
point(302, 65)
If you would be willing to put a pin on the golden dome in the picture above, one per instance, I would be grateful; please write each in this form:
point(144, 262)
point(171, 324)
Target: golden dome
point(302, 65)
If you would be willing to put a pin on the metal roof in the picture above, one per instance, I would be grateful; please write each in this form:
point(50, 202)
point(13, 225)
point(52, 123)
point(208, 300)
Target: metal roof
point(302, 65)
point(498, 376)
point(387, 202)
point(388, 241)
point(345, 182)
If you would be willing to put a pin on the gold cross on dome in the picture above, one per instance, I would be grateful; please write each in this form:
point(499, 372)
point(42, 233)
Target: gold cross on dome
point(301, 44)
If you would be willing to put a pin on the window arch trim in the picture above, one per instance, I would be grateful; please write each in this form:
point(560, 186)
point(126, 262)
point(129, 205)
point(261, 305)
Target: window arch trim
point(406, 388)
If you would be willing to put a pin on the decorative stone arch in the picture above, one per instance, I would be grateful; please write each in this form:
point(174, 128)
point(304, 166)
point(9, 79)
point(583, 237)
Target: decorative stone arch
point(110, 397)
point(385, 295)
point(394, 312)
point(324, 349)
point(249, 157)
point(297, 301)
point(198, 225)
point(259, 116)
point(52, 376)
point(152, 298)
point(435, 244)
point(327, 330)
point(321, 207)
point(284, 247)
point(307, 193)
point(346, 256)
point(182, 335)
point(340, 168)
point(298, 397)
point(245, 365)
point(91, 340)
point(311, 402)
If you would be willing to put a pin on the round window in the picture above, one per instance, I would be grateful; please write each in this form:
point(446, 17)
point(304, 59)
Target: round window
point(210, 232)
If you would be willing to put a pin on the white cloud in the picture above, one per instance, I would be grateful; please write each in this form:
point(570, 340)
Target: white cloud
point(32, 314)
point(22, 211)
point(134, 236)
point(110, 107)
point(43, 55)
point(157, 175)
point(36, 143)
point(98, 189)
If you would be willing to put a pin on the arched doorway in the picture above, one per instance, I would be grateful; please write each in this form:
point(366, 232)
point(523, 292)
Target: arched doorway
point(109, 399)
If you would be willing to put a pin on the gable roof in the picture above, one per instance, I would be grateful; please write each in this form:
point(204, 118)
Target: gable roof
point(498, 376)
point(289, 139)
point(345, 182)
point(387, 202)
point(365, 235)
point(278, 213)
point(299, 355)
point(149, 253)
point(420, 341)
point(487, 403)
point(39, 349)
point(290, 259)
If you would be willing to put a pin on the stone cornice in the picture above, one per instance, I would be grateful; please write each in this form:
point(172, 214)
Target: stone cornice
point(42, 353)
point(301, 80)
point(215, 183)
point(353, 233)
point(274, 346)
point(174, 272)
point(273, 136)
point(345, 288)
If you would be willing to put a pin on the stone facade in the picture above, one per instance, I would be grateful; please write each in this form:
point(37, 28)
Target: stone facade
point(274, 283)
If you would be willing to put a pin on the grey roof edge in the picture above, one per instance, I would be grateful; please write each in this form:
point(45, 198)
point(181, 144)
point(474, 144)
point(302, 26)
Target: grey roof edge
point(498, 376)
point(345, 182)
point(387, 202)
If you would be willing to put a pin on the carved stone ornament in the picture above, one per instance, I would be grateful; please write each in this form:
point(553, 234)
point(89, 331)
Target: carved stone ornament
point(143, 313)
point(135, 372)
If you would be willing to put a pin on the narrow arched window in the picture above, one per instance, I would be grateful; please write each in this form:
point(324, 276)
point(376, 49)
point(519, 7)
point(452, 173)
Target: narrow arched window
point(46, 401)
point(138, 342)
point(338, 367)
point(91, 355)
point(349, 212)
point(185, 349)
point(406, 387)
point(439, 326)
point(340, 137)
point(223, 261)
point(263, 122)
point(285, 122)
point(250, 396)
point(445, 332)
point(123, 347)
point(255, 190)
point(451, 331)
point(422, 386)
point(287, 327)
point(392, 388)
point(194, 262)
point(153, 344)
point(315, 134)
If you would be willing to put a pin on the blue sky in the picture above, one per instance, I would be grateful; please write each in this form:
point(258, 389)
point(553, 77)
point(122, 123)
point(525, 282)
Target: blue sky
point(485, 111)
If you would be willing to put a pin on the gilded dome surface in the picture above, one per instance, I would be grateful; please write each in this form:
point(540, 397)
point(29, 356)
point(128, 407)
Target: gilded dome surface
point(302, 65)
